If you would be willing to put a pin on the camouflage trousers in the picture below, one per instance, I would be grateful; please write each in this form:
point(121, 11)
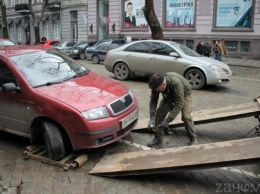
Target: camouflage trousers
point(163, 110)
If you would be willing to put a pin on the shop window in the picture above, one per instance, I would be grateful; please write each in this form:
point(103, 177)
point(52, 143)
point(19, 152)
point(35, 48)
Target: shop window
point(179, 15)
point(235, 14)
point(231, 46)
point(179, 41)
point(190, 43)
point(133, 15)
point(244, 46)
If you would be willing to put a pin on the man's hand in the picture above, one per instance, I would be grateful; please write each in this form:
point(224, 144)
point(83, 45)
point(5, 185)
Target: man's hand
point(164, 124)
point(151, 124)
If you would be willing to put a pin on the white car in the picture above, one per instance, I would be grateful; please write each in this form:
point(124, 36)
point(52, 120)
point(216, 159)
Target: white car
point(145, 57)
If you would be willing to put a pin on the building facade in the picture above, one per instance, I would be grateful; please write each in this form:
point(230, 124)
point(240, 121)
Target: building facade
point(63, 20)
point(184, 21)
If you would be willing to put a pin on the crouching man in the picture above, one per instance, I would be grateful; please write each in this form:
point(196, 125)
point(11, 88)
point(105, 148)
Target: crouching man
point(176, 93)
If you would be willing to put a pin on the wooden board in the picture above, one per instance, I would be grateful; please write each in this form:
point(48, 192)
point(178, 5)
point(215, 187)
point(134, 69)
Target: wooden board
point(208, 116)
point(182, 158)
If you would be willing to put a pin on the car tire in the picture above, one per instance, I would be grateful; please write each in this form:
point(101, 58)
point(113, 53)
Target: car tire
point(95, 59)
point(196, 78)
point(121, 71)
point(53, 141)
point(82, 56)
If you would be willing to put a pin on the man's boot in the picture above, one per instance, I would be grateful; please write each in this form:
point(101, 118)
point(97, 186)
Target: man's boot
point(155, 141)
point(193, 142)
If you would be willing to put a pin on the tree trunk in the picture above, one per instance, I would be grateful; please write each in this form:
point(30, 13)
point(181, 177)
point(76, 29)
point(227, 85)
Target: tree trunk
point(37, 19)
point(152, 20)
point(37, 34)
point(4, 21)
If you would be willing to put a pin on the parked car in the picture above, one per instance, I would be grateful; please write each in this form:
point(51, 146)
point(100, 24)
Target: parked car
point(64, 45)
point(145, 57)
point(98, 53)
point(120, 41)
point(48, 43)
point(78, 50)
point(53, 100)
point(5, 41)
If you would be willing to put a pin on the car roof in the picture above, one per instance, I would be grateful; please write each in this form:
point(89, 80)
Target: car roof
point(14, 50)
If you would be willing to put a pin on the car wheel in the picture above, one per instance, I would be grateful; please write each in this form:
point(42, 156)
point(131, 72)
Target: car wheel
point(196, 78)
point(53, 141)
point(95, 59)
point(121, 71)
point(82, 56)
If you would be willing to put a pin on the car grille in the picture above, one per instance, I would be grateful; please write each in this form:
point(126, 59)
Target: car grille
point(226, 71)
point(121, 104)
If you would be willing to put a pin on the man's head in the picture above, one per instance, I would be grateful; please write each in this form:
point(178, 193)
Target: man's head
point(129, 8)
point(157, 82)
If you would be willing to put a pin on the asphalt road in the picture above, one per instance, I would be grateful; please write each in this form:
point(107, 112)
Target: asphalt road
point(18, 175)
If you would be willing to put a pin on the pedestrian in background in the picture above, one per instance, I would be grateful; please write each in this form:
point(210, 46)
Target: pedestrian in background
point(207, 49)
point(176, 92)
point(200, 48)
point(224, 48)
point(221, 50)
point(216, 51)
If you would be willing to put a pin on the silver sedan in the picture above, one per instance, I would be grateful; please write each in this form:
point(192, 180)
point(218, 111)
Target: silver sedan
point(145, 57)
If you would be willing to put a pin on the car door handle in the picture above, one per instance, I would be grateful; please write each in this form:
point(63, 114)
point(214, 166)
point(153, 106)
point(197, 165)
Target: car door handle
point(128, 55)
point(153, 58)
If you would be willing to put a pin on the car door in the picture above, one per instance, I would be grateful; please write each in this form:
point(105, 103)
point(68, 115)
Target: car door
point(12, 111)
point(137, 57)
point(161, 61)
point(103, 51)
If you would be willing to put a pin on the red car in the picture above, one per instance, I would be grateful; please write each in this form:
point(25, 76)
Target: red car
point(53, 100)
point(48, 43)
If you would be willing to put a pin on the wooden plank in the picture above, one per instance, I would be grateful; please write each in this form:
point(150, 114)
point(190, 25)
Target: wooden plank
point(208, 116)
point(182, 158)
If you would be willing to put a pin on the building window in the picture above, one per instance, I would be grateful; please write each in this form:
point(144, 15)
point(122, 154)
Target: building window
point(11, 33)
point(56, 30)
point(245, 46)
point(46, 31)
point(190, 43)
point(133, 14)
point(19, 34)
point(179, 14)
point(231, 46)
point(178, 41)
point(234, 13)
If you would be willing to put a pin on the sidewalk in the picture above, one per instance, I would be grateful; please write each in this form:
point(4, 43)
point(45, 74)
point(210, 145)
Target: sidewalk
point(255, 63)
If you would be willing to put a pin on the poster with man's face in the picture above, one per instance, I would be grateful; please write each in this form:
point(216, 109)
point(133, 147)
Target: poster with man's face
point(180, 13)
point(133, 14)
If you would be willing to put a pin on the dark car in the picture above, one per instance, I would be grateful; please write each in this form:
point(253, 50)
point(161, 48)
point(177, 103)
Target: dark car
point(98, 53)
point(113, 41)
point(51, 99)
point(78, 50)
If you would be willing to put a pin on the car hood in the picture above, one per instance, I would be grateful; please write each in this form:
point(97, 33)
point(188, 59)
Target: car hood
point(86, 92)
point(208, 61)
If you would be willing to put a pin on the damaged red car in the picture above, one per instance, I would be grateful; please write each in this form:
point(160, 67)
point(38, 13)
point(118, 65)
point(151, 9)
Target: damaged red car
point(55, 101)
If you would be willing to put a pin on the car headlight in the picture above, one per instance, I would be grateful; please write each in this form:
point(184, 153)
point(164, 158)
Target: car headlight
point(97, 113)
point(75, 51)
point(216, 68)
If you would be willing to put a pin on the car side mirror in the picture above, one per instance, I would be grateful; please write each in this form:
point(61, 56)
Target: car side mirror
point(10, 87)
point(174, 54)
